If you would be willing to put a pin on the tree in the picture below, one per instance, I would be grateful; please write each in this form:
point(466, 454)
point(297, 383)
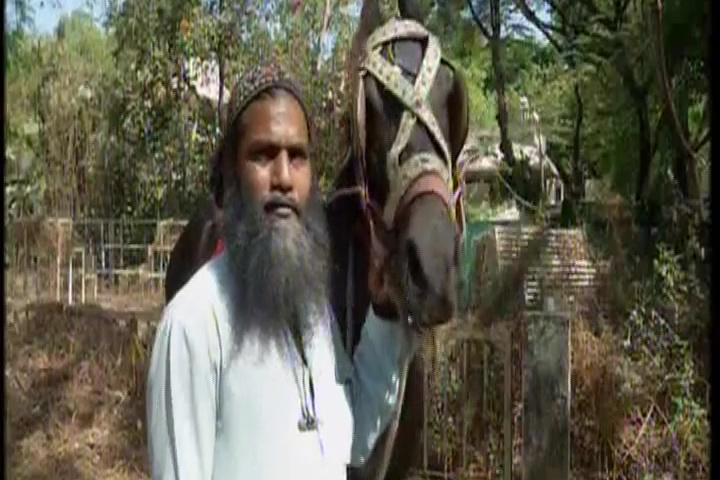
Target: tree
point(494, 36)
point(613, 35)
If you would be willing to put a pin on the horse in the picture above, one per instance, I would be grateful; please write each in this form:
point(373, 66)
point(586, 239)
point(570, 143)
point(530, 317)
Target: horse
point(197, 244)
point(200, 239)
point(396, 200)
point(418, 232)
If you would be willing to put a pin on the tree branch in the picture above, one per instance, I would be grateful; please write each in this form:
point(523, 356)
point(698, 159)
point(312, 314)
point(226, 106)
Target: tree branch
point(557, 10)
point(483, 29)
point(665, 81)
point(544, 27)
point(703, 141)
point(656, 136)
point(621, 7)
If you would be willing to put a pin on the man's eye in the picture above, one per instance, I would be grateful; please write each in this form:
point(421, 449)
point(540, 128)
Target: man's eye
point(260, 157)
point(298, 156)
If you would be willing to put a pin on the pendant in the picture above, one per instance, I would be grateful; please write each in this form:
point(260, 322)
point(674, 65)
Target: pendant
point(307, 423)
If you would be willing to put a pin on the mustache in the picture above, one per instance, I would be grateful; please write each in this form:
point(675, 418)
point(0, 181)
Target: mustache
point(278, 200)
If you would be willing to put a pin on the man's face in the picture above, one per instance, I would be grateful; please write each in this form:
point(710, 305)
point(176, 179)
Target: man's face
point(274, 225)
point(273, 157)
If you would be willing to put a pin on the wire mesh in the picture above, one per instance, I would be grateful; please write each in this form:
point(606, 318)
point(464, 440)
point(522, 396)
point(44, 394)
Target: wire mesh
point(87, 260)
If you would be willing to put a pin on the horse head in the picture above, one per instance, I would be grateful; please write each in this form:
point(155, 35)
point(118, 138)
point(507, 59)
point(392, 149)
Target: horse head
point(409, 121)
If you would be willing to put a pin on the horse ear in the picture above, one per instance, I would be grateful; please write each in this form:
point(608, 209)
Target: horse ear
point(370, 20)
point(370, 17)
point(459, 122)
point(417, 10)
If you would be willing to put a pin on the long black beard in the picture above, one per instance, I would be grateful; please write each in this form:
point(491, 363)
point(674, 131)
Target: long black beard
point(281, 271)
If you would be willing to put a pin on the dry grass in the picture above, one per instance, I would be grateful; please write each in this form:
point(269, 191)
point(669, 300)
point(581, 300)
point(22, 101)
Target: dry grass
point(621, 428)
point(596, 407)
point(75, 395)
point(75, 381)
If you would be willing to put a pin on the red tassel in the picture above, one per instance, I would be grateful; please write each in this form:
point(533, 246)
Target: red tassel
point(219, 247)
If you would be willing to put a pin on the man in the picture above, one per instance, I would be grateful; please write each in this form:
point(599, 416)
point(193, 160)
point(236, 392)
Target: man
point(248, 377)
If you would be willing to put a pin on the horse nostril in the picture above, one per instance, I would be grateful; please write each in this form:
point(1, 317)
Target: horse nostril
point(415, 270)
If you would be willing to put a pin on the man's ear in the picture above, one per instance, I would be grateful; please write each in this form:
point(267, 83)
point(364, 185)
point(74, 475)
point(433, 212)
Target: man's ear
point(216, 177)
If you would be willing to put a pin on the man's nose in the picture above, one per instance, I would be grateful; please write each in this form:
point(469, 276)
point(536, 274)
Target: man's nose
point(281, 178)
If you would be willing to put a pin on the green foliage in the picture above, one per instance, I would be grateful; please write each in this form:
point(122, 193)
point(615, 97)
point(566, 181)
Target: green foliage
point(100, 122)
point(665, 344)
point(482, 103)
point(154, 136)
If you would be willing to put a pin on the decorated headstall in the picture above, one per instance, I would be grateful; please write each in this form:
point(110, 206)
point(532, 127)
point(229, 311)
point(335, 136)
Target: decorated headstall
point(423, 172)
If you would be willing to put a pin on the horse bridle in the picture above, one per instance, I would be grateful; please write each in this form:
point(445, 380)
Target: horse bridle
point(424, 172)
point(411, 178)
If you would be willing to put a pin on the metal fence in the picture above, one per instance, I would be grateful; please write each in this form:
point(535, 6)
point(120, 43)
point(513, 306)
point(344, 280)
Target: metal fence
point(470, 395)
point(498, 391)
point(498, 401)
point(497, 395)
point(86, 260)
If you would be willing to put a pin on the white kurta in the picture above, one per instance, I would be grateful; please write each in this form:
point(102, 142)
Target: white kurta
point(223, 412)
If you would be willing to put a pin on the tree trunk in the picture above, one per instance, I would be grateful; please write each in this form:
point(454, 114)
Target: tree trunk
point(638, 91)
point(494, 37)
point(502, 113)
point(708, 57)
point(577, 189)
point(644, 145)
point(684, 161)
point(680, 172)
point(325, 25)
point(496, 50)
point(221, 65)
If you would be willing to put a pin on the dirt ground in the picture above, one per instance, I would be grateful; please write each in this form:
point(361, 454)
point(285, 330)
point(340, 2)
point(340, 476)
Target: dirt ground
point(74, 381)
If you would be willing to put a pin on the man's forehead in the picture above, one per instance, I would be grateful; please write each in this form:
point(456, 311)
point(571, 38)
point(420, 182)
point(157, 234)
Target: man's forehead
point(280, 112)
point(280, 108)
point(275, 96)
